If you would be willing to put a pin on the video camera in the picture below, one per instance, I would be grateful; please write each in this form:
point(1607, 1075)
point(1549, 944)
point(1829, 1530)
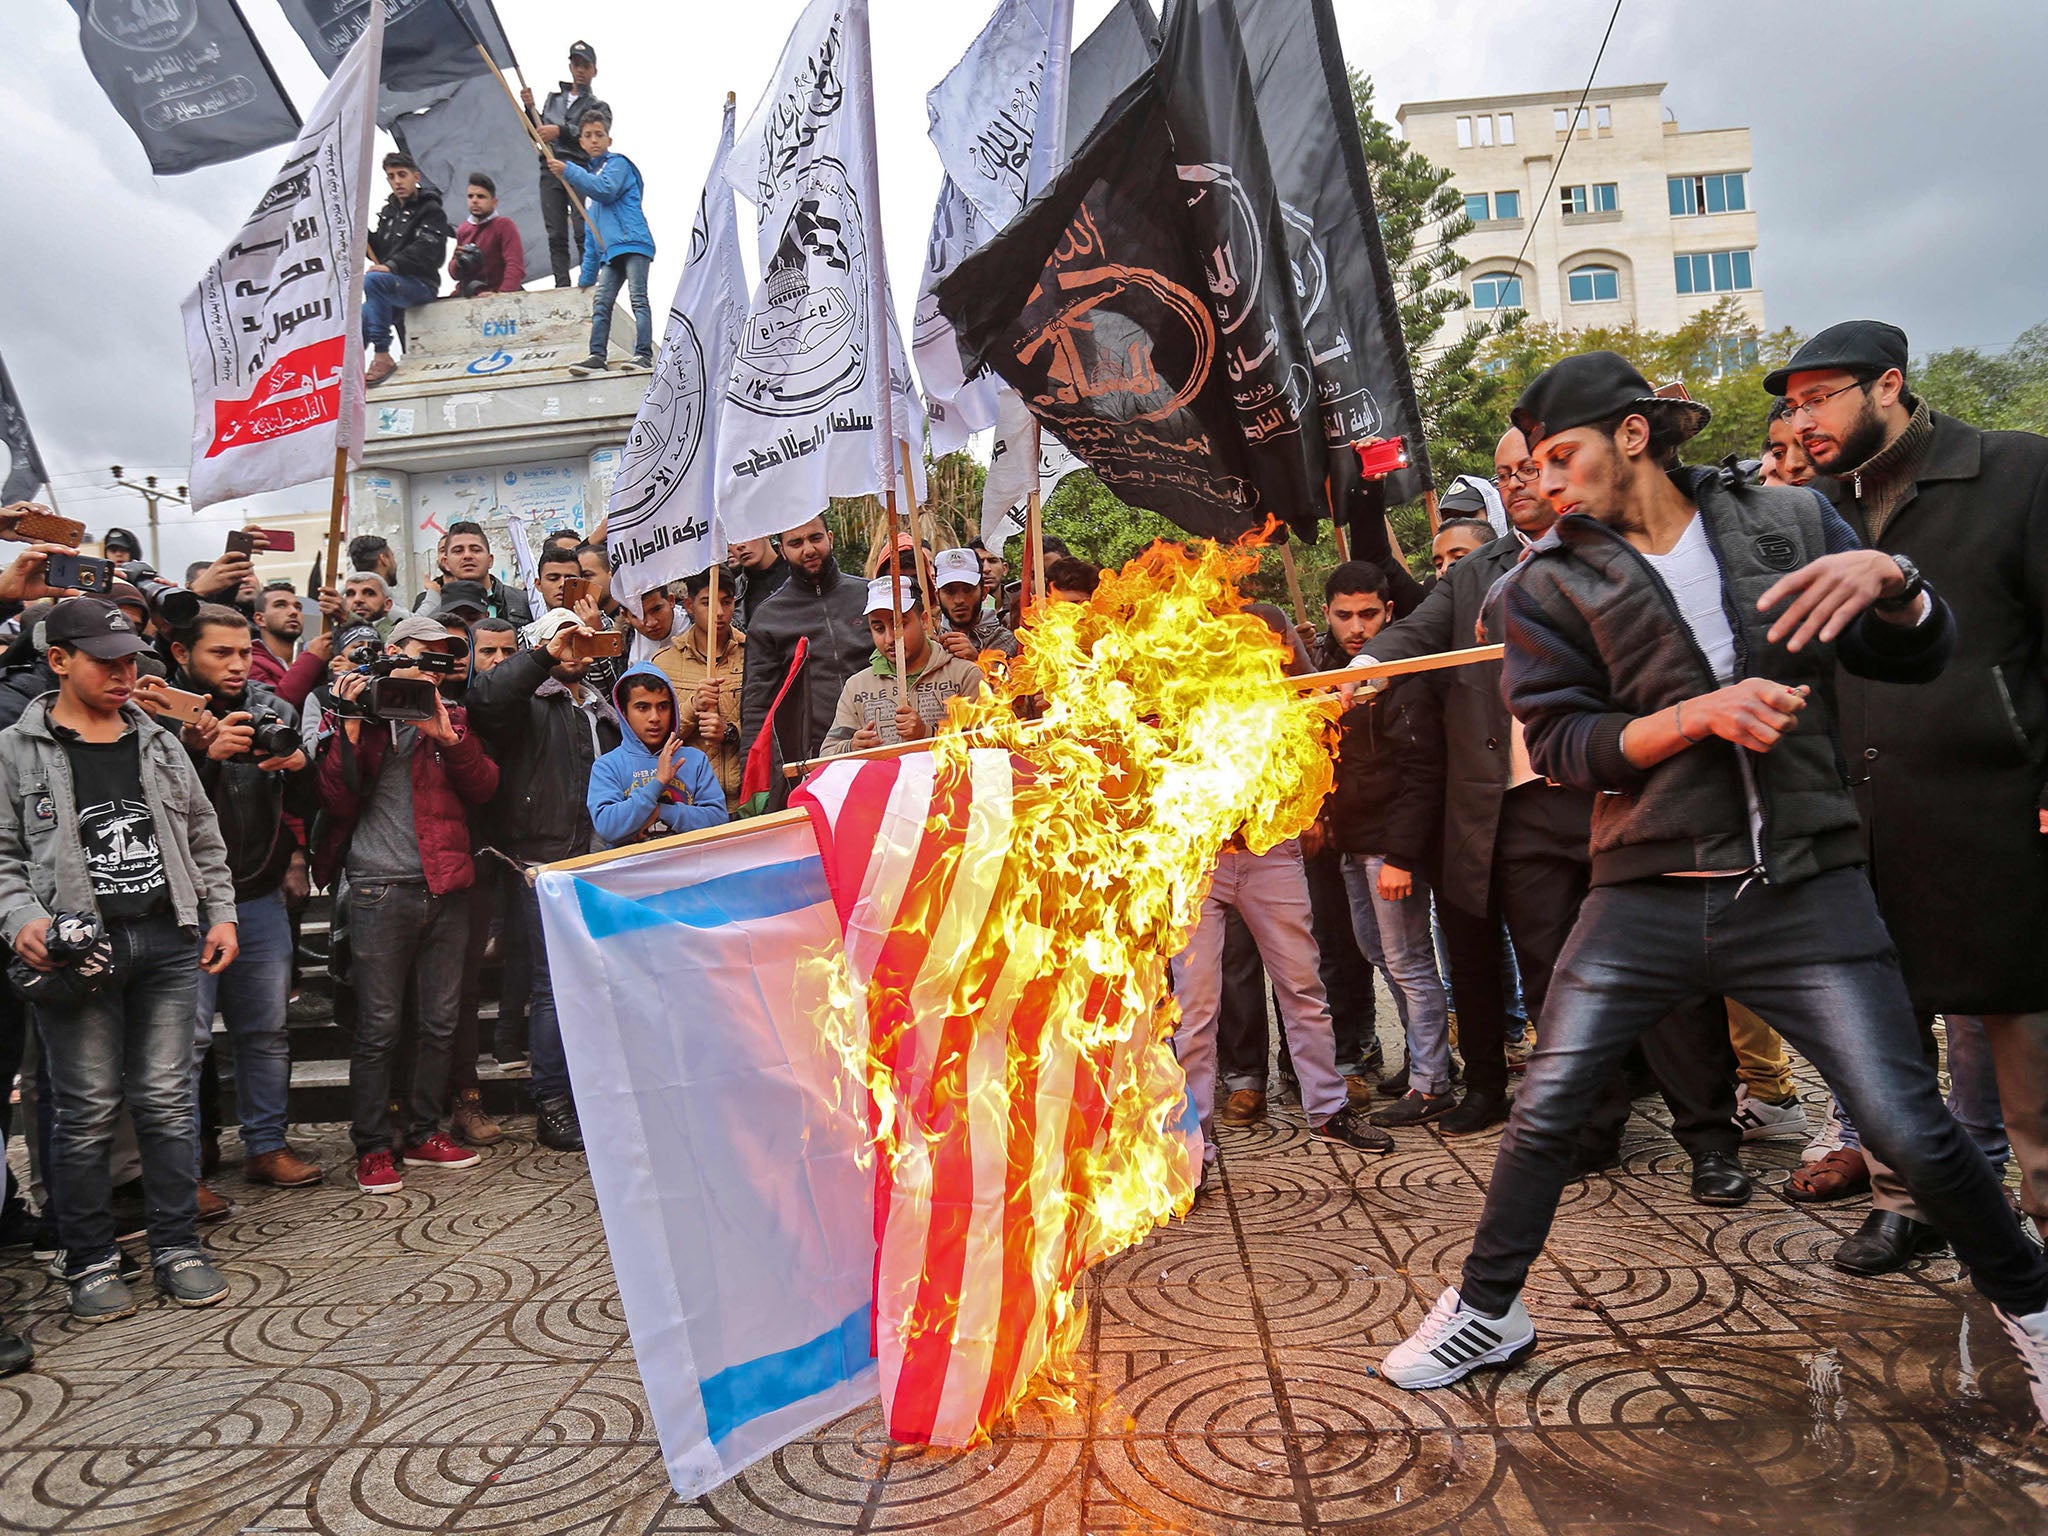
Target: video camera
point(388, 698)
point(175, 607)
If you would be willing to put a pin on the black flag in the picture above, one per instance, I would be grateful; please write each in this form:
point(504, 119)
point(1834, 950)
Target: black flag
point(457, 129)
point(1145, 306)
point(1110, 58)
point(25, 470)
point(426, 42)
point(1348, 303)
point(188, 77)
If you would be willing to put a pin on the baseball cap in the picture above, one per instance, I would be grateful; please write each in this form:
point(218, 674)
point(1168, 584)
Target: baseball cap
point(583, 52)
point(354, 635)
point(1854, 346)
point(1593, 386)
point(417, 626)
point(548, 625)
point(879, 600)
point(95, 626)
point(463, 597)
point(956, 567)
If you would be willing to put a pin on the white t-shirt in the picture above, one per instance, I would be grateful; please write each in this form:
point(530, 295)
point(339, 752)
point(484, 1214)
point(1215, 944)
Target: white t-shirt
point(1693, 576)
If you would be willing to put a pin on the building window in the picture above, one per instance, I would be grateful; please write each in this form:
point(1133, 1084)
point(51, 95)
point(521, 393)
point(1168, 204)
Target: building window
point(1475, 207)
point(1464, 133)
point(1507, 127)
point(1497, 290)
point(1507, 205)
point(1727, 354)
point(1606, 197)
point(1724, 193)
point(1572, 199)
point(1593, 285)
point(1485, 125)
point(1561, 119)
point(1603, 119)
point(1601, 197)
point(1714, 272)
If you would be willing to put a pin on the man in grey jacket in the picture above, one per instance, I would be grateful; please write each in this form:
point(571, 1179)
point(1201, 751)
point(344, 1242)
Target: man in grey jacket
point(103, 816)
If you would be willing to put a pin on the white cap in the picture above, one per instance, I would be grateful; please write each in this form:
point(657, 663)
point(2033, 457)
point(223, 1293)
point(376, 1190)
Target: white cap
point(549, 625)
point(956, 567)
point(879, 600)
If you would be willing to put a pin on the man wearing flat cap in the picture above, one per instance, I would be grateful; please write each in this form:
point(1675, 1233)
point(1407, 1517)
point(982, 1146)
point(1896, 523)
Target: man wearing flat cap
point(1672, 646)
point(1950, 777)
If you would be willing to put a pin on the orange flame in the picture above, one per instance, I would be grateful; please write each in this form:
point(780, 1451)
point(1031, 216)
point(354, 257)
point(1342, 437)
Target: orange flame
point(1163, 730)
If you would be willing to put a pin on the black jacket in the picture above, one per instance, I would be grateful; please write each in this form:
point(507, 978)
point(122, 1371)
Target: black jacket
point(1595, 639)
point(544, 747)
point(1477, 754)
point(1950, 776)
point(829, 612)
point(506, 602)
point(261, 814)
point(412, 237)
point(755, 588)
point(556, 110)
point(1380, 805)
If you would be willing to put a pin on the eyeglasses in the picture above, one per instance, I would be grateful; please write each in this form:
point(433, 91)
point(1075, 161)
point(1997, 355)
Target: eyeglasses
point(1528, 474)
point(1812, 403)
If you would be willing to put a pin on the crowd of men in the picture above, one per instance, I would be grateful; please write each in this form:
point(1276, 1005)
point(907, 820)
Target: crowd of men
point(1764, 763)
point(580, 174)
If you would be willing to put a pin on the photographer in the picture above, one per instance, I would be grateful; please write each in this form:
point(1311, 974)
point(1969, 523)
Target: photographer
point(253, 766)
point(397, 794)
point(104, 821)
point(547, 727)
point(489, 256)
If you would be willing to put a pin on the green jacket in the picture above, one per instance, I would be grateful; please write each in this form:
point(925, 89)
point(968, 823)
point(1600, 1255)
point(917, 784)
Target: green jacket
point(869, 697)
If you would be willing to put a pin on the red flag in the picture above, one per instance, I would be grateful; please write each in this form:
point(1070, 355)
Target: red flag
point(759, 774)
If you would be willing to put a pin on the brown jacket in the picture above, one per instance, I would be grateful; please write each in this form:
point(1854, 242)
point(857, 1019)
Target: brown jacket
point(682, 661)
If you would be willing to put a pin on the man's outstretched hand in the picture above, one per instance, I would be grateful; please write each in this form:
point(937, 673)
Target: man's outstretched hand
point(1827, 594)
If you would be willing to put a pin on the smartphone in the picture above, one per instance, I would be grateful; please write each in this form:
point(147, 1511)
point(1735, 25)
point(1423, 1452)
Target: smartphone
point(585, 646)
point(48, 528)
point(575, 589)
point(80, 573)
point(276, 540)
point(174, 704)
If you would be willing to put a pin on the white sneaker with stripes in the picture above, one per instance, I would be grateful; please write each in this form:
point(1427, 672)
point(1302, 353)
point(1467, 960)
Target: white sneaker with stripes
point(1455, 1341)
point(1756, 1117)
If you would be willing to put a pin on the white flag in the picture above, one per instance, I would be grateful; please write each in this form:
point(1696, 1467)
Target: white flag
point(273, 331)
point(1005, 492)
point(960, 406)
point(663, 508)
point(807, 411)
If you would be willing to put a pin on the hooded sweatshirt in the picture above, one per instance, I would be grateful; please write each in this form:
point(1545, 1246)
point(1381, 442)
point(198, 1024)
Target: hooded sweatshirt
point(624, 792)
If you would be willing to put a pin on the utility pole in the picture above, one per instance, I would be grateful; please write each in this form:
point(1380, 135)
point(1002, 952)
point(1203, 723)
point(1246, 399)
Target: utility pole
point(152, 493)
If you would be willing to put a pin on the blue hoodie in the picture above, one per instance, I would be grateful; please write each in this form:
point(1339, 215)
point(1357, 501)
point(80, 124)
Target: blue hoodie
point(624, 794)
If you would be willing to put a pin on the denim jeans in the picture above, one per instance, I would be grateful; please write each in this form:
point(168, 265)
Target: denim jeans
point(130, 1041)
point(631, 270)
point(385, 294)
point(543, 1023)
point(1270, 892)
point(1402, 929)
point(401, 931)
point(250, 995)
point(1815, 962)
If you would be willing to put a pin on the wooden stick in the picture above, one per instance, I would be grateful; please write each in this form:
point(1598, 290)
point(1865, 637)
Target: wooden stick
point(1394, 541)
point(539, 143)
point(917, 541)
point(334, 509)
point(1429, 506)
point(711, 633)
point(1293, 581)
point(1034, 542)
point(1343, 543)
point(894, 749)
point(1436, 661)
point(729, 830)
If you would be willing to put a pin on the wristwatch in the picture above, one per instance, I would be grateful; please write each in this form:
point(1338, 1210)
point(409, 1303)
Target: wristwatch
point(1910, 593)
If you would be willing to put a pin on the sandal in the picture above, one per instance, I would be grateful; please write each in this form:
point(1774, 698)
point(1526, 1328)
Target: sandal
point(1840, 1175)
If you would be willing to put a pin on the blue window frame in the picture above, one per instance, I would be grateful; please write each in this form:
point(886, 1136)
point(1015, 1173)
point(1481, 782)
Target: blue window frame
point(1497, 290)
point(1593, 285)
point(1606, 197)
point(1714, 272)
point(1475, 207)
point(1722, 193)
point(1507, 205)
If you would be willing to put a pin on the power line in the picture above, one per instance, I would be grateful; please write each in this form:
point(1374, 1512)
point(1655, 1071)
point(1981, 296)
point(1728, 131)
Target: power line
point(1571, 134)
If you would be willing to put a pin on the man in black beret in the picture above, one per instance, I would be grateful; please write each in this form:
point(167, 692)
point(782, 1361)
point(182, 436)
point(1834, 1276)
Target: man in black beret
point(1950, 778)
point(1672, 646)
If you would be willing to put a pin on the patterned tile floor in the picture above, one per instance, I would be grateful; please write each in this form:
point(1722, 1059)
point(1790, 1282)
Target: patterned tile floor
point(455, 1359)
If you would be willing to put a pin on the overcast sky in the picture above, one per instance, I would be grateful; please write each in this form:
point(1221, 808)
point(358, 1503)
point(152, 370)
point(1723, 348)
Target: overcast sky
point(1889, 142)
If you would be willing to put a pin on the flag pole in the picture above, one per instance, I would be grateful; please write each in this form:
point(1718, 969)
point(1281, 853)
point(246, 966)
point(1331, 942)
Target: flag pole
point(525, 122)
point(1293, 581)
point(336, 503)
point(924, 584)
point(711, 632)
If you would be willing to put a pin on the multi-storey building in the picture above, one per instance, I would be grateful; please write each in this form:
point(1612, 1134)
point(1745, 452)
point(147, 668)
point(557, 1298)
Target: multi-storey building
point(1641, 224)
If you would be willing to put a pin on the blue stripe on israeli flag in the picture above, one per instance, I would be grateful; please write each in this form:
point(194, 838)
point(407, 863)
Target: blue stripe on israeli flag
point(742, 896)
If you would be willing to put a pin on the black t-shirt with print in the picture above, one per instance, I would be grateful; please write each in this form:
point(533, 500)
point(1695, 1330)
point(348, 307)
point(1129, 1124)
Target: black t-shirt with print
point(115, 826)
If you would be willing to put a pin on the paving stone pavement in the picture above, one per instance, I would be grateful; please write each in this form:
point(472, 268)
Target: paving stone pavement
point(455, 1359)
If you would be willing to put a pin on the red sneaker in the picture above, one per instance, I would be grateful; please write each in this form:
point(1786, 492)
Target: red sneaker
point(437, 1151)
point(376, 1174)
